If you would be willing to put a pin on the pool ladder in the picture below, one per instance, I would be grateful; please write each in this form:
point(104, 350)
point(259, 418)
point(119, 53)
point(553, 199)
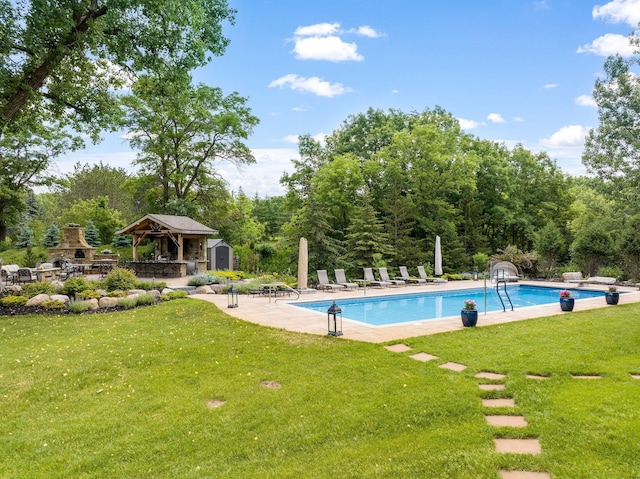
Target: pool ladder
point(504, 282)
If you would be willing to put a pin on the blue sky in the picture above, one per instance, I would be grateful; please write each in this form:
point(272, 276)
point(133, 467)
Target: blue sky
point(510, 71)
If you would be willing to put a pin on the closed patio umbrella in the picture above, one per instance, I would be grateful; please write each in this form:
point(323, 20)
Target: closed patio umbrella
point(437, 269)
point(303, 264)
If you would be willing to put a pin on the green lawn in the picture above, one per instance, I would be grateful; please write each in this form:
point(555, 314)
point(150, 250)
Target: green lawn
point(125, 395)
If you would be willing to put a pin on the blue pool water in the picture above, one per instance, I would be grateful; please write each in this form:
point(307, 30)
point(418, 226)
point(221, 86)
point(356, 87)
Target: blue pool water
point(402, 308)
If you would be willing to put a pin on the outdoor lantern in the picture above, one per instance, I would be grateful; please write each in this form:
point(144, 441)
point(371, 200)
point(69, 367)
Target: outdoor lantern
point(475, 274)
point(334, 320)
point(232, 296)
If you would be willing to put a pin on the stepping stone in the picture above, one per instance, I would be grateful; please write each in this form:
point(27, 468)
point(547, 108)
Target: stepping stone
point(524, 475)
point(424, 357)
point(487, 375)
point(586, 376)
point(398, 348)
point(505, 402)
point(507, 421)
point(453, 366)
point(491, 387)
point(518, 446)
point(537, 377)
point(635, 376)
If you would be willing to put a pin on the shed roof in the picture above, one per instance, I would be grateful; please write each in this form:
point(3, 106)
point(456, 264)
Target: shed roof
point(177, 224)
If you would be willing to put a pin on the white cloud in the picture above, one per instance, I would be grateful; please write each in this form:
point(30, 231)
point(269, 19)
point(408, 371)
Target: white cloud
point(550, 86)
point(609, 44)
point(298, 108)
point(586, 100)
point(495, 118)
point(314, 85)
point(394, 91)
point(329, 48)
point(468, 124)
point(291, 139)
point(319, 29)
point(566, 137)
point(619, 11)
point(320, 137)
point(519, 119)
point(366, 31)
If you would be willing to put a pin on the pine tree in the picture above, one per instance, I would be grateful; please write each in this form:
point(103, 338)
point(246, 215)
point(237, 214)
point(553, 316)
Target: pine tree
point(52, 236)
point(25, 237)
point(120, 241)
point(367, 243)
point(91, 234)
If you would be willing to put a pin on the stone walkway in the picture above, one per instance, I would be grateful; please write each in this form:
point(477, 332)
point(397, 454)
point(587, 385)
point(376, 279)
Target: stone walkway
point(507, 418)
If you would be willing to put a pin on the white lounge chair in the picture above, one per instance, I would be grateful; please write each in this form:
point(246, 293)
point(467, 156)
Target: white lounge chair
point(504, 271)
point(384, 276)
point(404, 276)
point(341, 278)
point(423, 275)
point(323, 282)
point(369, 278)
point(576, 278)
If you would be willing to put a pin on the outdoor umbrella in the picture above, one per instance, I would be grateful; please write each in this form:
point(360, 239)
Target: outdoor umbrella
point(438, 262)
point(303, 264)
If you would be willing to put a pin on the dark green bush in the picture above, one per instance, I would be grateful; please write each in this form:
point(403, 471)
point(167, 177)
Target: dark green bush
point(40, 287)
point(73, 286)
point(120, 278)
point(149, 285)
point(174, 295)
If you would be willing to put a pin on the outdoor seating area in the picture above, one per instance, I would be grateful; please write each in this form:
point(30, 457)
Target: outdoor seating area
point(383, 280)
point(577, 278)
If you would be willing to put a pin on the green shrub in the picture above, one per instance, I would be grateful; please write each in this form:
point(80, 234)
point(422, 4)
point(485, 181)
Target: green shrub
point(610, 271)
point(128, 303)
point(480, 261)
point(40, 287)
point(117, 294)
point(53, 304)
point(231, 275)
point(452, 277)
point(199, 280)
point(88, 294)
point(149, 285)
point(120, 278)
point(73, 286)
point(10, 301)
point(78, 306)
point(174, 295)
point(145, 299)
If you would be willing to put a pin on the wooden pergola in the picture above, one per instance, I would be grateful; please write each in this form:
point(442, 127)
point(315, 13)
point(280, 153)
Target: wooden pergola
point(178, 239)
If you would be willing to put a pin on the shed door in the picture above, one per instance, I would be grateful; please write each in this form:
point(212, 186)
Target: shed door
point(222, 257)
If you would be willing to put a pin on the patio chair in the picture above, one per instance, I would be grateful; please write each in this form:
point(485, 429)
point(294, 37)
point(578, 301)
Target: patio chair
point(384, 276)
point(25, 275)
point(341, 278)
point(404, 275)
point(323, 282)
point(504, 271)
point(423, 275)
point(369, 278)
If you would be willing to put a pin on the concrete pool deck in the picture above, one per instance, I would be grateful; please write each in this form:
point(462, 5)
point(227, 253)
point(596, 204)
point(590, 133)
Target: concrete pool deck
point(281, 313)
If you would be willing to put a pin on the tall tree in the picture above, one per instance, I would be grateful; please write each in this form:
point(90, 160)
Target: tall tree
point(182, 130)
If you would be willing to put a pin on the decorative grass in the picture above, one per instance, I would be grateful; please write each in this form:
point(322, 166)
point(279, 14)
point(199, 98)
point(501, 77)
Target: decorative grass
point(181, 390)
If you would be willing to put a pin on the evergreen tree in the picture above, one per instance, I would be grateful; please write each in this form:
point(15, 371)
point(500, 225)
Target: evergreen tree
point(367, 243)
point(120, 241)
point(25, 237)
point(52, 236)
point(91, 234)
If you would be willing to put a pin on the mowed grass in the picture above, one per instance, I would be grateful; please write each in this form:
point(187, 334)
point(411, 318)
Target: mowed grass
point(129, 395)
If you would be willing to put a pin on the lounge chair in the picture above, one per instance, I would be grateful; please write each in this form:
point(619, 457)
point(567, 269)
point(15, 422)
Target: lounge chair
point(369, 278)
point(323, 282)
point(384, 276)
point(576, 277)
point(423, 275)
point(341, 279)
point(404, 276)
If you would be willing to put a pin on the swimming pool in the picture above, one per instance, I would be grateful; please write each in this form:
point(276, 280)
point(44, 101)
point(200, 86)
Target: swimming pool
point(402, 308)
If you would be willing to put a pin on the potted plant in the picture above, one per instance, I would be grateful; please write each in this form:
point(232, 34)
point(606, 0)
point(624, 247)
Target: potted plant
point(566, 301)
point(469, 313)
point(612, 296)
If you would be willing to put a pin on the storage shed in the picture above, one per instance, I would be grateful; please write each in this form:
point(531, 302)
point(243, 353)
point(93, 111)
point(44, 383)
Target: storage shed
point(219, 255)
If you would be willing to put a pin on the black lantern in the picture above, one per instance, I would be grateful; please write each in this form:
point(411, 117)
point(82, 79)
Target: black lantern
point(334, 320)
point(475, 274)
point(232, 296)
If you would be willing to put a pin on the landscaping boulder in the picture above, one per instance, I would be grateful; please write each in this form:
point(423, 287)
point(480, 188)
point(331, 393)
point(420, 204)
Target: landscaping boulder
point(136, 291)
point(166, 291)
point(155, 293)
point(16, 288)
point(61, 297)
point(93, 304)
point(38, 300)
point(217, 288)
point(108, 302)
point(206, 289)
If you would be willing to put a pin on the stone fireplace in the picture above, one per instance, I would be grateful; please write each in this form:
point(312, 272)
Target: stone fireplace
point(73, 247)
